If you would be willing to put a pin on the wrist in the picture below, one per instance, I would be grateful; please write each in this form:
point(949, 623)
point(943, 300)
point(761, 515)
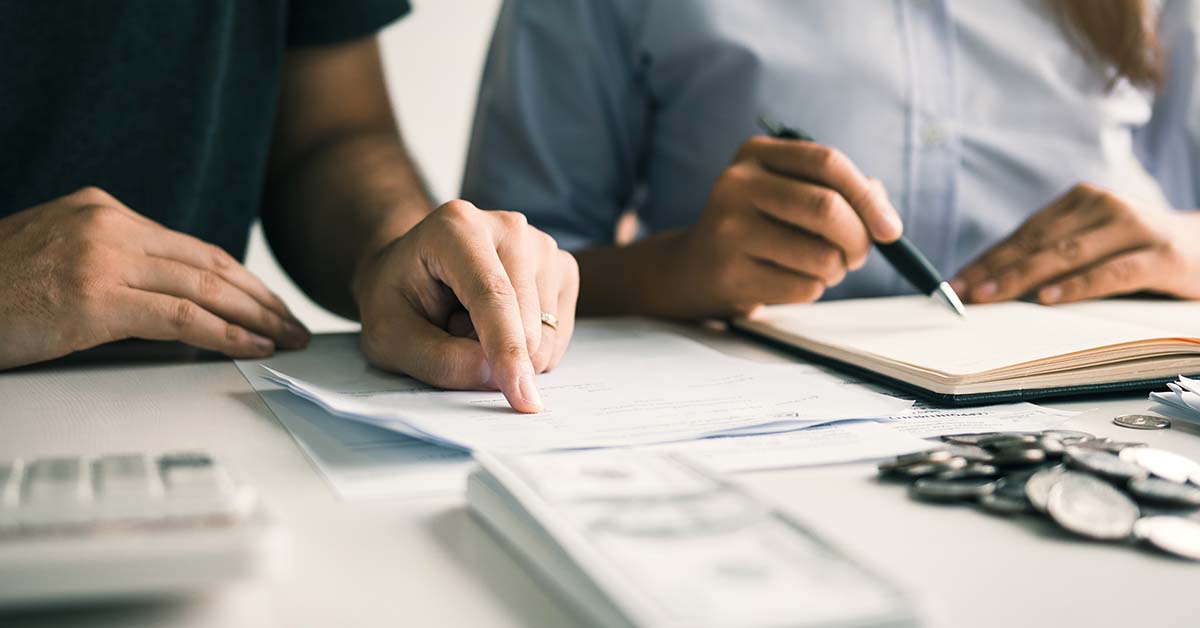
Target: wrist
point(637, 279)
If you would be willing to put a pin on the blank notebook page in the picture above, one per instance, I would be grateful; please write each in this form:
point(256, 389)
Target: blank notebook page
point(919, 331)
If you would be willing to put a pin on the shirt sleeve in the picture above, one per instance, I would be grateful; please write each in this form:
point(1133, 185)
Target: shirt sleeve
point(1170, 143)
point(323, 22)
point(561, 118)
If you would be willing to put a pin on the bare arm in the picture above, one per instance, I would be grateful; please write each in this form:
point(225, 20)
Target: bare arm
point(453, 296)
point(340, 184)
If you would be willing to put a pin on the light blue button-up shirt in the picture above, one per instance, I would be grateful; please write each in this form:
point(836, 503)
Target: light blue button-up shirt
point(974, 113)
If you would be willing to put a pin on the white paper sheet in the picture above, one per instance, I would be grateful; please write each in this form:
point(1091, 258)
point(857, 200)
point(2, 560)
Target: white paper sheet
point(626, 383)
point(361, 461)
point(1183, 397)
point(825, 444)
point(926, 421)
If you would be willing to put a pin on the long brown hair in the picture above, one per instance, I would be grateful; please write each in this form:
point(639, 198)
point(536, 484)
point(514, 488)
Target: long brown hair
point(1118, 34)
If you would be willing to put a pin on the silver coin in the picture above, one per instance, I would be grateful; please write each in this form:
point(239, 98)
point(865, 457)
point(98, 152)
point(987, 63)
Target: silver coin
point(1112, 447)
point(1018, 457)
point(1092, 508)
point(1103, 464)
point(1037, 487)
point(1000, 503)
point(1164, 492)
point(1165, 464)
point(1052, 445)
point(1068, 434)
point(931, 468)
point(972, 470)
point(972, 453)
point(968, 439)
point(1142, 422)
point(934, 489)
point(1175, 535)
point(1007, 439)
point(920, 457)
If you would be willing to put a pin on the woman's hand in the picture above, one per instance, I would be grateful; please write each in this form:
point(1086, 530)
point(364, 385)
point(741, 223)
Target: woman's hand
point(1090, 243)
point(784, 221)
point(462, 274)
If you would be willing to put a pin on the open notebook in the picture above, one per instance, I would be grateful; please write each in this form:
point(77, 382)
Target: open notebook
point(999, 352)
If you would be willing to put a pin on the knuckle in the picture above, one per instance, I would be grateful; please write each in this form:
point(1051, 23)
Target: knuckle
point(808, 291)
point(219, 258)
point(825, 205)
point(547, 242)
point(98, 217)
point(92, 195)
point(570, 266)
point(233, 333)
point(752, 146)
point(1124, 271)
point(208, 285)
point(511, 352)
point(182, 313)
point(1068, 249)
point(829, 261)
point(495, 290)
point(829, 159)
point(458, 210)
point(734, 176)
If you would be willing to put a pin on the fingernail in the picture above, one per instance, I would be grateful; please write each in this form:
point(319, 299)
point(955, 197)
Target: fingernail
point(296, 333)
point(529, 392)
point(959, 286)
point(986, 290)
point(264, 345)
point(1050, 294)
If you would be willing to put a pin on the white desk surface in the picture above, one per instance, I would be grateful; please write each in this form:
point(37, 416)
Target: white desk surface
point(427, 562)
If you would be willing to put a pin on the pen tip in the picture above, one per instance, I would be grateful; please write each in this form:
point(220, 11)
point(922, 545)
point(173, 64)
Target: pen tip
point(948, 296)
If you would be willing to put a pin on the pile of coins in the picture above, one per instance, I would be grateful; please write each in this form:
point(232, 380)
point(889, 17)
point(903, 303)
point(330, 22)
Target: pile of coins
point(1092, 487)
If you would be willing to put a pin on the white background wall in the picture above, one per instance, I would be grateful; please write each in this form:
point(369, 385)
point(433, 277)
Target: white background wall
point(433, 59)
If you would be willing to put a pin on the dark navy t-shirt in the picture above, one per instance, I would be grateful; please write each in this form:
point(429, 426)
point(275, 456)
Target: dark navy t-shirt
point(166, 104)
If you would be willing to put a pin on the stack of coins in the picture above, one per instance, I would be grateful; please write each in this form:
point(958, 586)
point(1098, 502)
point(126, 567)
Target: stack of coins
point(1092, 487)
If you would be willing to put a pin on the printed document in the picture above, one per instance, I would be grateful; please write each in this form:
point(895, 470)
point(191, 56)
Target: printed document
point(623, 383)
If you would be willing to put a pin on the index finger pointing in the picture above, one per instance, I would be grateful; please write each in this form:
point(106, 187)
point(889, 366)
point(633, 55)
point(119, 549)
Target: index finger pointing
point(830, 167)
point(481, 284)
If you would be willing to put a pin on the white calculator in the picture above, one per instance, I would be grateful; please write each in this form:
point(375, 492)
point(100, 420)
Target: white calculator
point(78, 529)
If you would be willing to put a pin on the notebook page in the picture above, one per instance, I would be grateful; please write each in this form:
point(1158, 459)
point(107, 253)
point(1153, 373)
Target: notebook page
point(918, 331)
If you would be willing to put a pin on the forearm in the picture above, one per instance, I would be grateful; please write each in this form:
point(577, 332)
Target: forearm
point(629, 280)
point(340, 203)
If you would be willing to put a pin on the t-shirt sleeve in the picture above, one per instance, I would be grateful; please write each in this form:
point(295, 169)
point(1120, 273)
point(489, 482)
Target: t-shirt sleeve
point(322, 22)
point(561, 120)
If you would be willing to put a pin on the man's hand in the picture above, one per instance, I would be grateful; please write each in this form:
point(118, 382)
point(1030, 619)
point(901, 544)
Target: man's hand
point(461, 273)
point(785, 221)
point(83, 270)
point(1089, 243)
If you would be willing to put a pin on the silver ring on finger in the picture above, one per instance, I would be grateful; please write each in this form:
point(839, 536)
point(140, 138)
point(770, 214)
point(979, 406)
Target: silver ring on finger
point(549, 320)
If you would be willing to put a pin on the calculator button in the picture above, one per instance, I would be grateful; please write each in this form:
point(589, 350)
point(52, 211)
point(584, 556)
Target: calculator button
point(7, 477)
point(194, 485)
point(8, 497)
point(126, 488)
point(56, 491)
point(56, 480)
point(126, 476)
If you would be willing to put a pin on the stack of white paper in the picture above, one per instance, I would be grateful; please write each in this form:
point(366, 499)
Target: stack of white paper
point(1184, 396)
point(607, 395)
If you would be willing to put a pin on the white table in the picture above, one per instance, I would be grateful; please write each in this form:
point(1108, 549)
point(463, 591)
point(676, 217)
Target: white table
point(427, 562)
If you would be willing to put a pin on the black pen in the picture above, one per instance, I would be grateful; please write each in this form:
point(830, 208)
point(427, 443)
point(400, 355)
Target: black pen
point(903, 256)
